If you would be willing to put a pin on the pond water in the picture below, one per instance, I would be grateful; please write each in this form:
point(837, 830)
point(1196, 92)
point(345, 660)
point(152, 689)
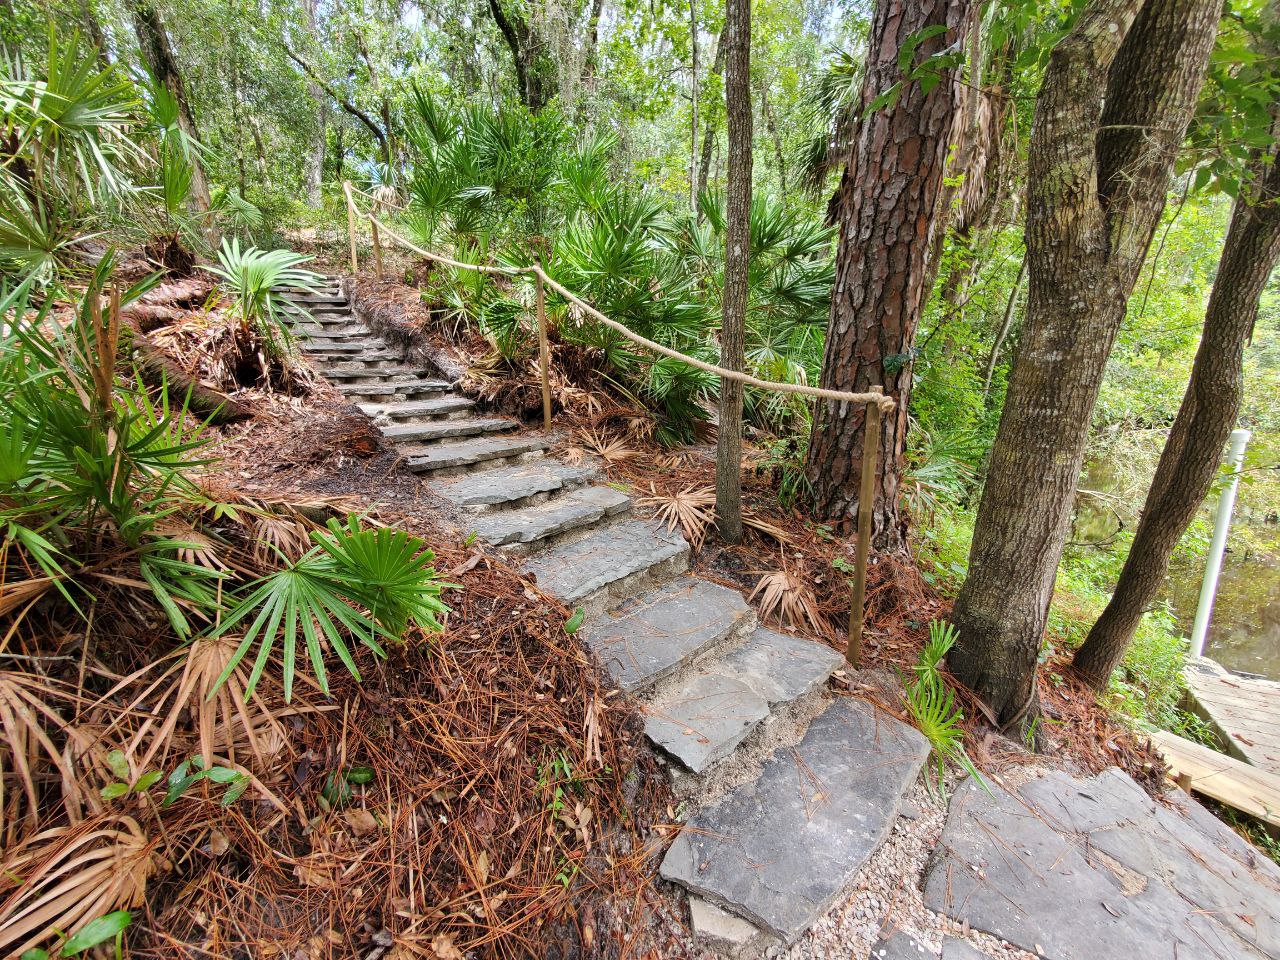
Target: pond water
point(1244, 631)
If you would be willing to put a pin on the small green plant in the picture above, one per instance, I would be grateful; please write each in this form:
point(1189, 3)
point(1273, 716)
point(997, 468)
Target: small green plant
point(122, 786)
point(336, 792)
point(574, 623)
point(942, 637)
point(384, 571)
point(93, 933)
point(260, 281)
point(190, 771)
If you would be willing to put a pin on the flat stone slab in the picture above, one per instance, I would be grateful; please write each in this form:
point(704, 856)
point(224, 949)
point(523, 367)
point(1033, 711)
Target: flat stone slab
point(435, 407)
point(719, 928)
point(705, 720)
point(428, 430)
point(506, 484)
point(577, 570)
point(646, 638)
point(569, 511)
point(1245, 711)
point(1093, 869)
point(953, 948)
point(778, 850)
point(466, 452)
point(778, 667)
point(391, 387)
point(901, 945)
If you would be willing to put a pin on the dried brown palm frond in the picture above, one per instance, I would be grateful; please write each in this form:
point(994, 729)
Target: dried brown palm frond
point(225, 722)
point(760, 525)
point(587, 403)
point(289, 535)
point(64, 877)
point(199, 548)
point(610, 449)
point(693, 508)
point(30, 727)
point(788, 601)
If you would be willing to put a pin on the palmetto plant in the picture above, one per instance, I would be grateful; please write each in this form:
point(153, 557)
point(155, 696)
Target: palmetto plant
point(260, 282)
point(370, 583)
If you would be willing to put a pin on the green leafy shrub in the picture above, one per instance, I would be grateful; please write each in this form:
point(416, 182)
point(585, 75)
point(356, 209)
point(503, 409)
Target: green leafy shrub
point(260, 281)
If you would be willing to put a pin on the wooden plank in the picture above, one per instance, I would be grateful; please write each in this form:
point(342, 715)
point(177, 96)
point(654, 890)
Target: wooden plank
point(1244, 711)
point(1246, 788)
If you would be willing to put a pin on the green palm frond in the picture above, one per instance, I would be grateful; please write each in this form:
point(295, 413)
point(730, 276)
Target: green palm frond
point(260, 281)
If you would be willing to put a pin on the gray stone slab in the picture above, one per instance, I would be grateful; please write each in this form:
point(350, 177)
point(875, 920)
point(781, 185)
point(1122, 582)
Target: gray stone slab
point(1092, 869)
point(569, 511)
point(391, 372)
point(435, 407)
point(901, 945)
point(705, 720)
point(953, 948)
point(392, 387)
point(466, 452)
point(779, 849)
point(506, 484)
point(576, 571)
point(778, 667)
point(427, 430)
point(644, 639)
point(718, 928)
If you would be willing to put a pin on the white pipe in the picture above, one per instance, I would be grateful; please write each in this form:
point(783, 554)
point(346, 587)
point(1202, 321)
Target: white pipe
point(1218, 546)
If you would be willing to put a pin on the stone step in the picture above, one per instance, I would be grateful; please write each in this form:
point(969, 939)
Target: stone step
point(351, 348)
point(513, 485)
point(340, 373)
point(436, 407)
point(465, 453)
point(369, 360)
point(329, 331)
point(393, 388)
point(570, 511)
point(704, 719)
point(323, 310)
point(609, 562)
point(428, 430)
point(645, 639)
point(778, 850)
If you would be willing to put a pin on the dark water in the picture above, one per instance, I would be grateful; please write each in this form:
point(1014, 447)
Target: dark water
point(1244, 632)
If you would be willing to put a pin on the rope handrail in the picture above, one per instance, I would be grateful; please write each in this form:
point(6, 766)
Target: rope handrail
point(877, 397)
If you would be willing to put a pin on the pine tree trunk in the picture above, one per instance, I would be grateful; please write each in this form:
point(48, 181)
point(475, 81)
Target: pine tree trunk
point(157, 51)
point(1189, 462)
point(737, 256)
point(889, 212)
point(1111, 114)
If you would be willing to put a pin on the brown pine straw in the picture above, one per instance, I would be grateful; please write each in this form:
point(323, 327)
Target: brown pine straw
point(469, 736)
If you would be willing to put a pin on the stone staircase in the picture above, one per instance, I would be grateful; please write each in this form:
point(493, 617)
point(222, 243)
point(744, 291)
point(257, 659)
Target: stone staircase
point(786, 811)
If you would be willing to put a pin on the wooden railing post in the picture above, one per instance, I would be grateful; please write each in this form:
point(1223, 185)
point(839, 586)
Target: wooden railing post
point(351, 224)
point(544, 347)
point(866, 507)
point(377, 245)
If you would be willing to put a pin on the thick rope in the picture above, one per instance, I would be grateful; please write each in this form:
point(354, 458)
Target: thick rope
point(886, 403)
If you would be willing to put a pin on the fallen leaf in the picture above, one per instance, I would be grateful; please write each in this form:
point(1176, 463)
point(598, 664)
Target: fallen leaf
point(361, 821)
point(443, 947)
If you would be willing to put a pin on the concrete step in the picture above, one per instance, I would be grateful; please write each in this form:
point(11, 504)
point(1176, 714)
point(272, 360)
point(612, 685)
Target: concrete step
point(511, 486)
point(573, 510)
point(465, 453)
point(778, 850)
point(428, 430)
point(703, 719)
point(437, 407)
point(612, 563)
point(645, 639)
point(394, 389)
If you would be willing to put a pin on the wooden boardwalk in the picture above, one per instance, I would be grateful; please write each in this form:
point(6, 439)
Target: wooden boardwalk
point(1225, 779)
point(1244, 711)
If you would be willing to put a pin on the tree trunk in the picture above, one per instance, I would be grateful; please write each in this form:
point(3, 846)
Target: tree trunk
point(1112, 112)
point(711, 109)
point(157, 52)
point(693, 94)
point(737, 258)
point(313, 166)
point(526, 56)
point(1006, 323)
point(1189, 462)
point(889, 212)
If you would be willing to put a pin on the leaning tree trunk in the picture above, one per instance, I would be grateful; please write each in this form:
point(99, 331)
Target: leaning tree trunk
point(313, 165)
point(889, 214)
point(1114, 107)
point(153, 41)
point(1193, 451)
point(737, 259)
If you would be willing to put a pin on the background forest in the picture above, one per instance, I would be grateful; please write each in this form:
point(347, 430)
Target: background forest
point(594, 138)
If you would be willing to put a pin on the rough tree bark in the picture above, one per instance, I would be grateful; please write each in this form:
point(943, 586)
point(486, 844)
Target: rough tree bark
point(157, 52)
point(889, 213)
point(313, 167)
point(1111, 114)
point(526, 56)
point(1193, 450)
point(737, 257)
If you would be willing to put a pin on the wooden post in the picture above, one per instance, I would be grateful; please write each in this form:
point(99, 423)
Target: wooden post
point(351, 225)
point(544, 348)
point(377, 245)
point(866, 507)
